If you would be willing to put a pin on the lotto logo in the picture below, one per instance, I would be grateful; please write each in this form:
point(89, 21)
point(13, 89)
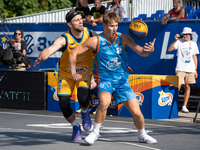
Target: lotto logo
point(165, 98)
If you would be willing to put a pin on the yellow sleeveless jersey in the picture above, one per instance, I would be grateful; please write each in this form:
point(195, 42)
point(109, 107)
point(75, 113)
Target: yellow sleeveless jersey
point(84, 61)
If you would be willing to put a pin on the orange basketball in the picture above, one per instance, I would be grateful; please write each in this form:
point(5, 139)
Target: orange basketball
point(138, 29)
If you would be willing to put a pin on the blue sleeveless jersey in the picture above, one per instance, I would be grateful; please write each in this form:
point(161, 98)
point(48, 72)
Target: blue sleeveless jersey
point(111, 60)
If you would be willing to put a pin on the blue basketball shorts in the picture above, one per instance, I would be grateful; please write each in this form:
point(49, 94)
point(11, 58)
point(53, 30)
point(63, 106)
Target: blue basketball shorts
point(121, 91)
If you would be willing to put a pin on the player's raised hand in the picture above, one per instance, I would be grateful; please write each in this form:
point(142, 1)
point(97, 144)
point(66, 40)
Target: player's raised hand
point(149, 47)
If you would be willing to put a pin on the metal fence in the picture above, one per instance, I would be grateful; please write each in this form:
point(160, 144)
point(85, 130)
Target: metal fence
point(132, 10)
point(150, 6)
point(45, 17)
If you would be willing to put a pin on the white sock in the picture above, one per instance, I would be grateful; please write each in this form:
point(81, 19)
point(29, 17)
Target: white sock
point(75, 123)
point(83, 111)
point(141, 131)
point(184, 107)
point(96, 127)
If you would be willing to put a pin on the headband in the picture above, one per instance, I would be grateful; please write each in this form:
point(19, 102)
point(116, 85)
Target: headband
point(71, 16)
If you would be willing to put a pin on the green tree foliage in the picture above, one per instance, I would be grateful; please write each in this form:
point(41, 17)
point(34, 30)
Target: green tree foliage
point(13, 8)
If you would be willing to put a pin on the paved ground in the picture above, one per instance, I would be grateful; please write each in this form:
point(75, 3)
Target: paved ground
point(45, 130)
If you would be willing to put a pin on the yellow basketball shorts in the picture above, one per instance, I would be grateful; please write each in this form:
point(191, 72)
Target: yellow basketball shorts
point(66, 84)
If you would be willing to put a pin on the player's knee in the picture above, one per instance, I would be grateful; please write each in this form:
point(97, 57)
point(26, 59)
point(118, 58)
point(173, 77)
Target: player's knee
point(83, 97)
point(64, 102)
point(104, 104)
point(137, 113)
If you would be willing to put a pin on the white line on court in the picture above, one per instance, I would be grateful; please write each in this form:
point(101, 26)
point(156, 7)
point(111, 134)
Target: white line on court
point(36, 115)
point(25, 130)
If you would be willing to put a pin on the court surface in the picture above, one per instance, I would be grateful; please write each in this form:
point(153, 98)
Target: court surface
point(45, 130)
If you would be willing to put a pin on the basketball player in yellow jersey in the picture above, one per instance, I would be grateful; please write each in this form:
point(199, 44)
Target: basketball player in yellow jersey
point(66, 43)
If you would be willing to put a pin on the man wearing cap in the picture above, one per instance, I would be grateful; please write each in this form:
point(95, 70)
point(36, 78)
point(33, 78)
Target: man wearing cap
point(186, 67)
point(66, 43)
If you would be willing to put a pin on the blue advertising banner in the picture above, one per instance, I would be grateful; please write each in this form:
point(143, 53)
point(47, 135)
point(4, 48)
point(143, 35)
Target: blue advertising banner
point(157, 96)
point(160, 62)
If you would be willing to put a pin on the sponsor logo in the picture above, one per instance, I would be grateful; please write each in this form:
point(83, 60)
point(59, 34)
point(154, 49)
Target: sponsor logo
point(102, 84)
point(114, 64)
point(119, 44)
point(104, 43)
point(165, 98)
point(140, 98)
point(28, 38)
point(80, 69)
point(106, 47)
point(55, 96)
point(113, 103)
point(60, 85)
point(136, 26)
point(81, 59)
point(94, 100)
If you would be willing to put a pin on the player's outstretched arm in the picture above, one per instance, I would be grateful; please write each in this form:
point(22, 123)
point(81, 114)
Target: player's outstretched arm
point(142, 51)
point(59, 43)
point(80, 49)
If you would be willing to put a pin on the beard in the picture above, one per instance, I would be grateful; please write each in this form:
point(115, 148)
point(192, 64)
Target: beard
point(78, 29)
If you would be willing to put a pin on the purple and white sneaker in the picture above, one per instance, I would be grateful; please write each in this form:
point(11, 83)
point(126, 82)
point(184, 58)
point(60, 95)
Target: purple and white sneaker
point(76, 135)
point(86, 122)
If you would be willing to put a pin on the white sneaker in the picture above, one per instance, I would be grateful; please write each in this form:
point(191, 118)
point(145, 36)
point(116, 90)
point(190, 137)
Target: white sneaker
point(185, 110)
point(91, 138)
point(147, 139)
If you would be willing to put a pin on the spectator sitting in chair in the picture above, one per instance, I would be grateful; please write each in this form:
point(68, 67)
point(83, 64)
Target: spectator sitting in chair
point(96, 13)
point(177, 12)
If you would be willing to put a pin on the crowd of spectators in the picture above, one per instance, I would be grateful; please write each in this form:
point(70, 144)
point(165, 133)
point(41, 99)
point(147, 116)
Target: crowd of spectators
point(95, 15)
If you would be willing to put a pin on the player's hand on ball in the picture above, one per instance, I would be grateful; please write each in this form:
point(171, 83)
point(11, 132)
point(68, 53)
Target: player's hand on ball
point(76, 77)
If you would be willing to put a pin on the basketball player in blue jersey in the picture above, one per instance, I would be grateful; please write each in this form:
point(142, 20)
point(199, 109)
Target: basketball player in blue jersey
point(112, 73)
point(66, 43)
